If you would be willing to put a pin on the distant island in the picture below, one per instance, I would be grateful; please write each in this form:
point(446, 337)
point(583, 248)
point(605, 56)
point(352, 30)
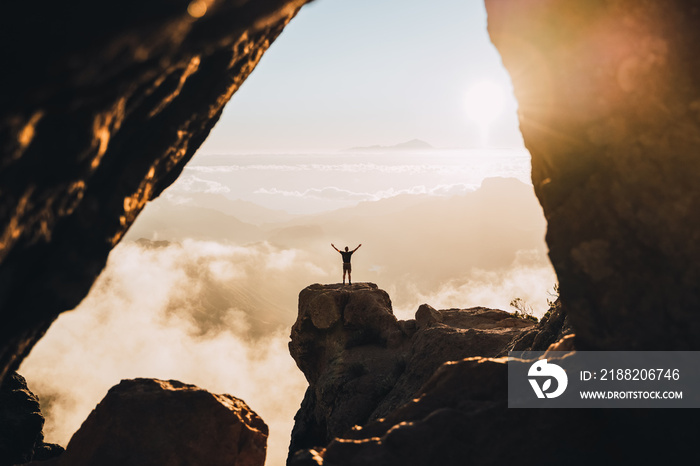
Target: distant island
point(414, 144)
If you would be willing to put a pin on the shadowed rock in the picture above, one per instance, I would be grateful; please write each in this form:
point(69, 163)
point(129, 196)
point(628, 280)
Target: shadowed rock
point(151, 422)
point(439, 396)
point(361, 363)
point(609, 107)
point(21, 424)
point(460, 417)
point(101, 106)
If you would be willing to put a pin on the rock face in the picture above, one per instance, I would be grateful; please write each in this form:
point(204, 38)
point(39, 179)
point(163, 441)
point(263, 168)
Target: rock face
point(609, 107)
point(151, 422)
point(362, 364)
point(21, 424)
point(20, 429)
point(101, 106)
point(461, 417)
point(414, 408)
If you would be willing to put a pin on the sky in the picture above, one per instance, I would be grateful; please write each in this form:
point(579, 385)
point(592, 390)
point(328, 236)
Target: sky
point(348, 73)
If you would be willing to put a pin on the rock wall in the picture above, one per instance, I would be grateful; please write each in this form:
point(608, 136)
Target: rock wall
point(101, 106)
point(362, 364)
point(429, 391)
point(609, 107)
point(21, 424)
point(460, 417)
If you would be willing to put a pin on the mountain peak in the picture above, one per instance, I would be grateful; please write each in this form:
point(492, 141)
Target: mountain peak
point(414, 144)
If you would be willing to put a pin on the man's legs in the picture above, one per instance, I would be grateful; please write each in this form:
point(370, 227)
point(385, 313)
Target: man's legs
point(349, 279)
point(344, 272)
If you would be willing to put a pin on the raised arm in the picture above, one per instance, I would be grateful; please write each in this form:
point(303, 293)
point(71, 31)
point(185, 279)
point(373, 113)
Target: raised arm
point(336, 248)
point(357, 248)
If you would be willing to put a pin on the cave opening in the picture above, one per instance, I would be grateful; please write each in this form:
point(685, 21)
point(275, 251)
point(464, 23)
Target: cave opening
point(93, 130)
point(349, 131)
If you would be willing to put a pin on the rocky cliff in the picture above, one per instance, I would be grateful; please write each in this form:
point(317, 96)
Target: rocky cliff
point(429, 391)
point(21, 424)
point(609, 106)
point(101, 106)
point(151, 422)
point(362, 363)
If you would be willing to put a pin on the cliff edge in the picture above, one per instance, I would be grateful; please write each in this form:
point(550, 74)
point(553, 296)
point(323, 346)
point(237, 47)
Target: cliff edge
point(362, 363)
point(433, 390)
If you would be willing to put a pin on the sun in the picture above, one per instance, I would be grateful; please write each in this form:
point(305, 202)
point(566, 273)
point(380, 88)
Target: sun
point(484, 102)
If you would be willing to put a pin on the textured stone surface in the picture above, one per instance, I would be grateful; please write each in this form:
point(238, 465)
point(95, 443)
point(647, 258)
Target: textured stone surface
point(362, 364)
point(460, 417)
point(609, 107)
point(453, 413)
point(346, 342)
point(151, 422)
point(21, 423)
point(101, 106)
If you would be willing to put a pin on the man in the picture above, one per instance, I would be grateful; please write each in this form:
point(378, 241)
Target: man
point(346, 261)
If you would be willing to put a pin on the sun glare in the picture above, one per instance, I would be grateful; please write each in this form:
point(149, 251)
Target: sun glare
point(484, 103)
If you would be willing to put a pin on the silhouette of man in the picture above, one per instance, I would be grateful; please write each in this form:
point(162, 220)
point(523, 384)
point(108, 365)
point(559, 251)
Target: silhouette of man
point(346, 261)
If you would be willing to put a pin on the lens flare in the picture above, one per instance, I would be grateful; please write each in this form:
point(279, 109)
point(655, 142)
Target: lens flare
point(197, 8)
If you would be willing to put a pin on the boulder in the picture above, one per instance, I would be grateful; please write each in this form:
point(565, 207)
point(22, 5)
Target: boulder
point(426, 316)
point(333, 318)
point(150, 422)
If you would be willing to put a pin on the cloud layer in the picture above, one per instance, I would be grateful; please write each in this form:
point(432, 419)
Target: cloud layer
point(147, 317)
point(528, 278)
